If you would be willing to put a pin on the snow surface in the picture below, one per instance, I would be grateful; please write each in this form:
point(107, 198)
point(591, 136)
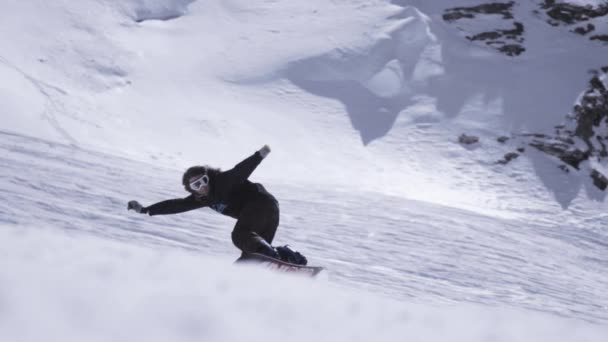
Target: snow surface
point(362, 102)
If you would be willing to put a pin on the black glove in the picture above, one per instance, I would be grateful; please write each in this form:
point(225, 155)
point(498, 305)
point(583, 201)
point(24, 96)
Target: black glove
point(264, 151)
point(138, 208)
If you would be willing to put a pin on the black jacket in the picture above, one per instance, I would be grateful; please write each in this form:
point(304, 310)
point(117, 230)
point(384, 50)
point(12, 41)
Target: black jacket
point(229, 192)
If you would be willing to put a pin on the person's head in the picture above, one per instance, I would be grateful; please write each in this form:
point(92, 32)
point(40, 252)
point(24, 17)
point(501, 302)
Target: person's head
point(197, 180)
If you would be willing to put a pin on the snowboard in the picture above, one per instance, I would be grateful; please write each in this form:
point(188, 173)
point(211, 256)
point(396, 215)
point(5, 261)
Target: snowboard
point(278, 265)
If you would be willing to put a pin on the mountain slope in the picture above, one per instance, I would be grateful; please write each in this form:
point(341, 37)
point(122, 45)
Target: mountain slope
point(76, 265)
point(428, 154)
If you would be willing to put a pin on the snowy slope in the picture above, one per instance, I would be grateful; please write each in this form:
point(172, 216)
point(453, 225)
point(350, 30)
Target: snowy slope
point(363, 102)
point(76, 266)
point(120, 292)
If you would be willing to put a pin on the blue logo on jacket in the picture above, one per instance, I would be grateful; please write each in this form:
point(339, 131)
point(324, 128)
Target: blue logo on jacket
point(219, 207)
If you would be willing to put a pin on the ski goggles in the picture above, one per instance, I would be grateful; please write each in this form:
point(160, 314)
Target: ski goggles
point(199, 183)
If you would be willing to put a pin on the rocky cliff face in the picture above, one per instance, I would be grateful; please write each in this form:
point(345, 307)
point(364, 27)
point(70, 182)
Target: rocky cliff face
point(586, 20)
point(508, 35)
point(584, 134)
point(508, 40)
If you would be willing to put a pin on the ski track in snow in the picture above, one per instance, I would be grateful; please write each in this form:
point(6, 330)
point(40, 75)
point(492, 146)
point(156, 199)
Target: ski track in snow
point(402, 249)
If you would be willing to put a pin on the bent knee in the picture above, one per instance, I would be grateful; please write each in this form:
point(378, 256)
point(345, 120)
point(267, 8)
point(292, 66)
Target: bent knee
point(238, 239)
point(248, 242)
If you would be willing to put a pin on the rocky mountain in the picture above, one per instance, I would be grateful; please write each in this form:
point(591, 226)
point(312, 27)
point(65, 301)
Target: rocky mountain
point(582, 136)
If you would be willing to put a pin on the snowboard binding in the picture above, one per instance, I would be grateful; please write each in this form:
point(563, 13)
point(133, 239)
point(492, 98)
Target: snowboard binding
point(282, 253)
point(287, 254)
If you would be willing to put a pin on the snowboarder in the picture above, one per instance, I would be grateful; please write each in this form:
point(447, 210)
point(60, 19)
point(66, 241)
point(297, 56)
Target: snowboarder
point(231, 193)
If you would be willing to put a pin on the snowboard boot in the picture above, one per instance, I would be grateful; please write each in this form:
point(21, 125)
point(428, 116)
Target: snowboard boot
point(289, 255)
point(266, 249)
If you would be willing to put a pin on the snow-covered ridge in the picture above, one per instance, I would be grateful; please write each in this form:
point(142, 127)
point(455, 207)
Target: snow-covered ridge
point(377, 81)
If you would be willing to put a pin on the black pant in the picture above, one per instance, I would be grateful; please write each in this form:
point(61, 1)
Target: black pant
point(257, 223)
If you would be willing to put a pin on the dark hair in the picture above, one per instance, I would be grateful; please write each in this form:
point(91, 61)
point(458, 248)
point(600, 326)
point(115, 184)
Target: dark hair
point(196, 171)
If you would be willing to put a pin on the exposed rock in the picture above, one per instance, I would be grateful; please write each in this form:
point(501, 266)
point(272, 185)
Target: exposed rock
point(512, 49)
point(591, 111)
point(456, 13)
point(587, 125)
point(535, 135)
point(584, 133)
point(507, 41)
point(568, 14)
point(502, 139)
point(452, 16)
point(574, 157)
point(599, 179)
point(600, 37)
point(583, 30)
point(486, 36)
point(602, 153)
point(514, 34)
point(565, 152)
point(468, 139)
point(584, 18)
point(508, 157)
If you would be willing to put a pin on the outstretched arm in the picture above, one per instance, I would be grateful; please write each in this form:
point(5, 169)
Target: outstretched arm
point(172, 206)
point(244, 169)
